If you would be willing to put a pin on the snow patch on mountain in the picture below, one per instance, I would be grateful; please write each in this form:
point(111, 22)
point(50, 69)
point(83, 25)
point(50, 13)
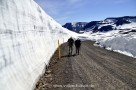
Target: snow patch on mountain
point(127, 26)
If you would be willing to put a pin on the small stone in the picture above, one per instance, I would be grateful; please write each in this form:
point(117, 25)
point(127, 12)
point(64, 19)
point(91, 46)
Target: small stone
point(40, 84)
point(51, 79)
point(47, 76)
point(92, 86)
point(48, 71)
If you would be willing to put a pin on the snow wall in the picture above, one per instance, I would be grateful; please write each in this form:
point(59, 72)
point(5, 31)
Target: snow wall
point(28, 39)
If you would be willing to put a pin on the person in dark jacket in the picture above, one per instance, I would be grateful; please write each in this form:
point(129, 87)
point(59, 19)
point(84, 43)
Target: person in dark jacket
point(78, 45)
point(70, 44)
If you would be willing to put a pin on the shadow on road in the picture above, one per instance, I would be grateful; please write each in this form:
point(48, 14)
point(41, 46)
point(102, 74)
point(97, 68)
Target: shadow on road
point(65, 56)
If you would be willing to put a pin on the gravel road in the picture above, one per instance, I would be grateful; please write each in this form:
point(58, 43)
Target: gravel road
point(94, 69)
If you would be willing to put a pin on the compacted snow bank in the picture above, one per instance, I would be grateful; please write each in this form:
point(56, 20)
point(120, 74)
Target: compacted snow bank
point(122, 45)
point(28, 38)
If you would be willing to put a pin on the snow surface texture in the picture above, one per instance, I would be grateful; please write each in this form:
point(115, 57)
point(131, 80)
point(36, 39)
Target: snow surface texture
point(122, 40)
point(28, 38)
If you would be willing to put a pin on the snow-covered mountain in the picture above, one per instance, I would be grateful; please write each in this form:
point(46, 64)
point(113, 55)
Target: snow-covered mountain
point(75, 26)
point(108, 24)
point(122, 41)
point(116, 34)
point(28, 38)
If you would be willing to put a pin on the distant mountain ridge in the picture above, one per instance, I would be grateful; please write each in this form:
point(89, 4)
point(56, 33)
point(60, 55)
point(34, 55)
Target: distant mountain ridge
point(110, 23)
point(75, 26)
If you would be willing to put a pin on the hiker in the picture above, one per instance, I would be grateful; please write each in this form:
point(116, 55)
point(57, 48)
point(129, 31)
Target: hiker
point(77, 45)
point(70, 44)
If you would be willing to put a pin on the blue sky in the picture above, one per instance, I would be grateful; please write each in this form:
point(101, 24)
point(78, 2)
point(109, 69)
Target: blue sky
point(87, 10)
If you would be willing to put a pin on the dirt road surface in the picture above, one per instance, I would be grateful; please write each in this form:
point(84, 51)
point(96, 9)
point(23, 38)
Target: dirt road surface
point(94, 69)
